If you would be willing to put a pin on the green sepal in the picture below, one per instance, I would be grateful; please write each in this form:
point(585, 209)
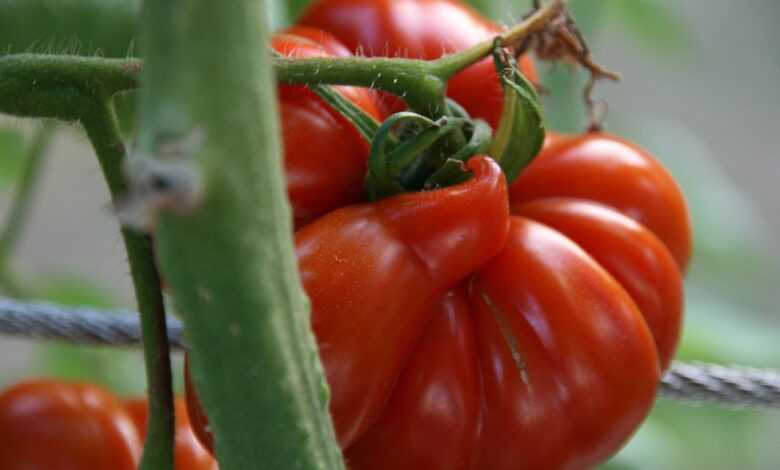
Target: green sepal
point(365, 124)
point(520, 133)
point(387, 163)
point(454, 171)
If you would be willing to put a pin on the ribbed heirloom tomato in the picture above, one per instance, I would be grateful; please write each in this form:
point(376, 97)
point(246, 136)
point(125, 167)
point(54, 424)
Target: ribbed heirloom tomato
point(455, 337)
point(550, 355)
point(421, 29)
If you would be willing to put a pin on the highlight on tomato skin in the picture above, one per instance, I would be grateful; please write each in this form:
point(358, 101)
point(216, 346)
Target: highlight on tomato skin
point(432, 419)
point(48, 425)
point(607, 169)
point(421, 29)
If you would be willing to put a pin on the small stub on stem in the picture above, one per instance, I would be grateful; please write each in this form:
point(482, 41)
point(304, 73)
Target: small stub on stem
point(167, 180)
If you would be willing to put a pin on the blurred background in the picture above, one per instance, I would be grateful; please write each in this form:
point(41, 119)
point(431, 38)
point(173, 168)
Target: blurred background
point(699, 91)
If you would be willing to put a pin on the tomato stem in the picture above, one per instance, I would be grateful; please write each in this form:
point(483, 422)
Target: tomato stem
point(451, 64)
point(227, 253)
point(410, 79)
point(102, 127)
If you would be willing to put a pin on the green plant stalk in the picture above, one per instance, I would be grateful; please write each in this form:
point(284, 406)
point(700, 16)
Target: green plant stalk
point(80, 89)
point(22, 202)
point(102, 128)
point(52, 86)
point(229, 258)
point(365, 124)
point(410, 79)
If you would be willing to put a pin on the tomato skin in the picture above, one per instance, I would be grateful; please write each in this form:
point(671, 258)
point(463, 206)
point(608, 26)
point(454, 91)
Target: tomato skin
point(51, 425)
point(325, 157)
point(632, 254)
point(587, 370)
point(609, 170)
point(437, 396)
point(395, 257)
point(189, 454)
point(421, 29)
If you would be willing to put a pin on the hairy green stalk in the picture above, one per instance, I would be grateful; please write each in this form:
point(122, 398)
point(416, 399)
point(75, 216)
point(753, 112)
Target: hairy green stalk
point(102, 128)
point(209, 132)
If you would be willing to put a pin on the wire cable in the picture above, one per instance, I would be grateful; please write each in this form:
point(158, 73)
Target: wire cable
point(734, 386)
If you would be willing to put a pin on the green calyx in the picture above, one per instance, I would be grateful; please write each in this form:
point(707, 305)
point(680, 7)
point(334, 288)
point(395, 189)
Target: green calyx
point(400, 144)
point(520, 134)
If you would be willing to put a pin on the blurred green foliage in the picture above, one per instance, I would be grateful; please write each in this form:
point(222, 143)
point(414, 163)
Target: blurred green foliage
point(12, 149)
point(728, 316)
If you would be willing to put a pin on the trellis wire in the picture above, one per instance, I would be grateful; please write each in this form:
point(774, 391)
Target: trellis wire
point(699, 383)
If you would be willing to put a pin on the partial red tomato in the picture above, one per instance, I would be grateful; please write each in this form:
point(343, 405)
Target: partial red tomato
point(325, 157)
point(51, 425)
point(631, 253)
point(196, 413)
point(421, 29)
point(433, 417)
point(606, 169)
point(189, 454)
point(569, 366)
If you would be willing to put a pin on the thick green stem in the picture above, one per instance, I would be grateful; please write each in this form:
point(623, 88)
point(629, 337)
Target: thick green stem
point(22, 202)
point(227, 254)
point(102, 128)
point(34, 85)
point(412, 80)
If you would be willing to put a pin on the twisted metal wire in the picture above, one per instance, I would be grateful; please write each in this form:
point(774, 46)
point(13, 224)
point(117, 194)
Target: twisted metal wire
point(698, 383)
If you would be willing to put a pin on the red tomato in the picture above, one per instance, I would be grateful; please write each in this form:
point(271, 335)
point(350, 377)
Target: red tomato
point(189, 453)
point(325, 156)
point(50, 425)
point(632, 254)
point(364, 260)
point(423, 29)
point(611, 171)
point(541, 361)
point(433, 417)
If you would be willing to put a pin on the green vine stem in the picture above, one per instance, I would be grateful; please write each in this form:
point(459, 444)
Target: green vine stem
point(21, 205)
point(209, 156)
point(102, 128)
point(80, 89)
point(53, 86)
